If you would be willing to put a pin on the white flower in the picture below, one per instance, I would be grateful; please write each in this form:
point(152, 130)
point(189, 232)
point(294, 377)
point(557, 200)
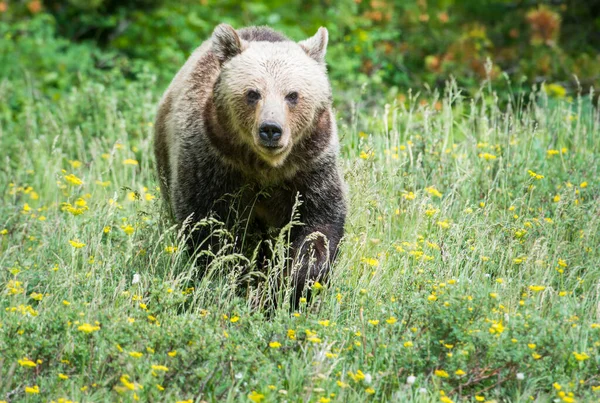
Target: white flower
point(368, 378)
point(136, 279)
point(238, 375)
point(422, 390)
point(520, 376)
point(411, 379)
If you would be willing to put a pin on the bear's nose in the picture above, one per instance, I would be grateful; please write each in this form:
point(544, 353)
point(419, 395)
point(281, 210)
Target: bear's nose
point(270, 132)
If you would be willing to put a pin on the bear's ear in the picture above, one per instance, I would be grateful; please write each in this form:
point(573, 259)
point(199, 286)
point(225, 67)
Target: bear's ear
point(226, 43)
point(316, 46)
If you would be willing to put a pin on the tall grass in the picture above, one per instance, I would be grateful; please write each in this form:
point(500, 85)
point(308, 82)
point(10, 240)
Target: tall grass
point(469, 271)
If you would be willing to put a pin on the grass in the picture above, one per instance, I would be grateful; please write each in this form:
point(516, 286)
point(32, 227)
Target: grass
point(469, 272)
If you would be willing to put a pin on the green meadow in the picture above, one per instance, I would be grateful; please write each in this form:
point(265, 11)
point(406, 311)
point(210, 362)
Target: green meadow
point(470, 266)
point(469, 270)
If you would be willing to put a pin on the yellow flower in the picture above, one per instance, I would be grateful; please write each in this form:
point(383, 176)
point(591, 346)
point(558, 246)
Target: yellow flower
point(370, 391)
point(366, 155)
point(496, 328)
point(443, 224)
point(26, 362)
point(537, 288)
point(580, 356)
point(76, 244)
point(555, 90)
point(274, 344)
point(32, 389)
point(556, 386)
point(433, 191)
point(37, 296)
point(460, 372)
point(441, 373)
point(135, 354)
point(430, 212)
point(130, 161)
point(536, 356)
point(324, 322)
point(63, 377)
point(129, 385)
point(256, 397)
point(370, 261)
point(359, 376)
point(128, 229)
point(480, 398)
point(391, 320)
point(160, 368)
point(493, 295)
point(487, 156)
point(531, 346)
point(408, 344)
point(583, 185)
point(234, 319)
point(556, 198)
point(317, 285)
point(409, 196)
point(73, 180)
point(291, 333)
point(374, 322)
point(87, 328)
point(103, 184)
point(172, 353)
point(534, 175)
point(446, 399)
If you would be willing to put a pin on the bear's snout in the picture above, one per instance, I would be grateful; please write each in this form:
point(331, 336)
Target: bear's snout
point(270, 133)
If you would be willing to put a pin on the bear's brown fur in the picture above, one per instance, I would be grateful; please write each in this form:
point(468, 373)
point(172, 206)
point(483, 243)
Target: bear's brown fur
point(250, 114)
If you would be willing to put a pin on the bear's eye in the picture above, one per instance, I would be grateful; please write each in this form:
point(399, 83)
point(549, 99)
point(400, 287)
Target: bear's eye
point(292, 98)
point(252, 97)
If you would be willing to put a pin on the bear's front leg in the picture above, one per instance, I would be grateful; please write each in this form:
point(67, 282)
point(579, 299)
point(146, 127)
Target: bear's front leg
point(315, 244)
point(314, 250)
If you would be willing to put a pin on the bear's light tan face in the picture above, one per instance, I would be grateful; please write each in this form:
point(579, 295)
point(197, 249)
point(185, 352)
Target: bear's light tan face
point(272, 92)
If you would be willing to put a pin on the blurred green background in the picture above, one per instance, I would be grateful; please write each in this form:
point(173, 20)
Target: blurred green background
point(381, 46)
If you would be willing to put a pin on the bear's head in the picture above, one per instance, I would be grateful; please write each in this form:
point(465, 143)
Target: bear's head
point(271, 92)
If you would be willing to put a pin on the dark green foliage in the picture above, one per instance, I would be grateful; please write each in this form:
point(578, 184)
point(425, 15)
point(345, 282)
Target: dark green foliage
point(385, 44)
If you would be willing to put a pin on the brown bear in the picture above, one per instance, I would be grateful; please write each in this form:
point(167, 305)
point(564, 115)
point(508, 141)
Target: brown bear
point(250, 114)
